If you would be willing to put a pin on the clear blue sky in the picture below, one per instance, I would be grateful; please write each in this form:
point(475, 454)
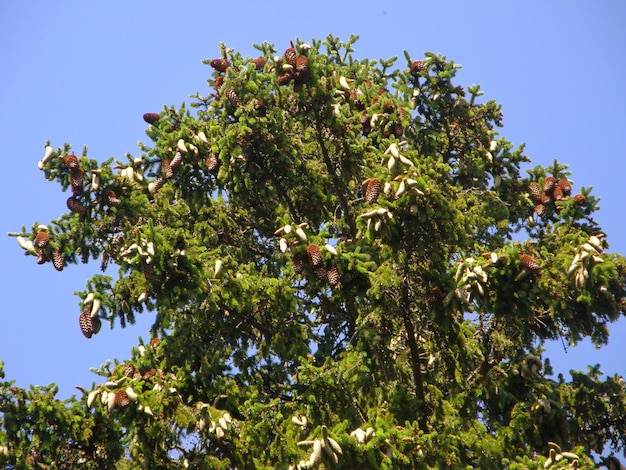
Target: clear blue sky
point(85, 72)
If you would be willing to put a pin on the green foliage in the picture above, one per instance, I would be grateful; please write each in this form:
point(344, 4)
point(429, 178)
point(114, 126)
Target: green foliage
point(347, 270)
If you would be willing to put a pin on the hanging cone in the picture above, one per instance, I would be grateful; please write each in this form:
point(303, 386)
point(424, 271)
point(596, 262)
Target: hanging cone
point(86, 323)
point(315, 254)
point(298, 261)
point(212, 163)
point(535, 192)
point(549, 184)
point(57, 260)
point(529, 263)
point(372, 190)
point(540, 209)
point(111, 199)
point(332, 275)
point(74, 205)
point(580, 200)
point(320, 272)
point(41, 256)
point(121, 399)
point(129, 369)
point(77, 177)
point(166, 169)
point(565, 186)
point(233, 99)
point(302, 69)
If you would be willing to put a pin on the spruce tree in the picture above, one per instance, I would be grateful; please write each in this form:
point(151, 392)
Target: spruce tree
point(347, 266)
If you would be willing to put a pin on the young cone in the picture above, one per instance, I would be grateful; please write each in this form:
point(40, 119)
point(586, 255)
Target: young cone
point(580, 200)
point(71, 161)
point(151, 118)
point(42, 239)
point(220, 65)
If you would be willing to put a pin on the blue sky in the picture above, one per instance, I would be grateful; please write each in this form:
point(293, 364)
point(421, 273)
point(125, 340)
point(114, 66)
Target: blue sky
point(85, 72)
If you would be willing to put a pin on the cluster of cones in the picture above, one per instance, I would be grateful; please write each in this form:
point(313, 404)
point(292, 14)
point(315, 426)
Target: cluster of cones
point(314, 259)
point(296, 67)
point(77, 175)
point(44, 251)
point(551, 191)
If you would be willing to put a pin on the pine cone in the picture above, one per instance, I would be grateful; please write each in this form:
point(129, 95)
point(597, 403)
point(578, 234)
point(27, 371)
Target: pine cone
point(129, 369)
point(388, 106)
point(529, 263)
point(332, 275)
point(557, 193)
point(535, 192)
point(155, 186)
point(121, 399)
point(166, 169)
point(546, 198)
point(86, 323)
point(151, 118)
point(315, 254)
point(259, 63)
point(42, 239)
point(540, 209)
point(76, 180)
point(284, 78)
point(565, 186)
point(71, 161)
point(148, 271)
point(219, 64)
point(111, 199)
point(212, 163)
point(580, 200)
point(302, 69)
point(549, 184)
point(217, 84)
point(290, 56)
point(74, 205)
point(320, 272)
point(372, 190)
point(233, 99)
point(149, 374)
point(41, 256)
point(298, 261)
point(418, 66)
point(57, 260)
point(177, 160)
